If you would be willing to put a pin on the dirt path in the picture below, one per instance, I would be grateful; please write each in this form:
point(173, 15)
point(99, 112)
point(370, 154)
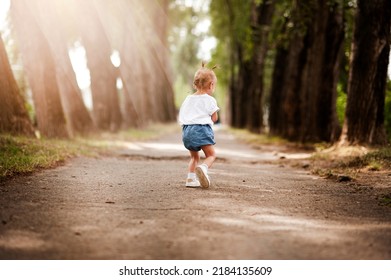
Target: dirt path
point(134, 205)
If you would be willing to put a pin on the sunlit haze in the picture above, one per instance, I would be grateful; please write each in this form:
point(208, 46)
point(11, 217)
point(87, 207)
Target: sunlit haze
point(4, 7)
point(78, 61)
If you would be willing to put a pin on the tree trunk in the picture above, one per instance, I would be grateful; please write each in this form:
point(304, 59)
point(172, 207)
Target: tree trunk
point(261, 20)
point(319, 78)
point(14, 118)
point(364, 120)
point(157, 41)
point(303, 94)
point(48, 18)
point(106, 110)
point(328, 128)
point(284, 114)
point(289, 115)
point(242, 91)
point(131, 74)
point(235, 55)
point(40, 70)
point(276, 92)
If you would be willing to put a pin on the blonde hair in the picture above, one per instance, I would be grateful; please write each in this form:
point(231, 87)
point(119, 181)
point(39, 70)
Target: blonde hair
point(203, 77)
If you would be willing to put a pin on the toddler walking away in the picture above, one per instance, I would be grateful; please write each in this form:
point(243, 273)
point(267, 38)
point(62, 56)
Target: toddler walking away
point(197, 115)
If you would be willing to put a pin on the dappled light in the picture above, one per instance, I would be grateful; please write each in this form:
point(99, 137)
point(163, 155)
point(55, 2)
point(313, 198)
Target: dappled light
point(22, 240)
point(195, 130)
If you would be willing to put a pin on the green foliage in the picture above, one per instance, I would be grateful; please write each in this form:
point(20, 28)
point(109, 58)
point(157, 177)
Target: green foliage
point(181, 89)
point(341, 103)
point(220, 56)
point(231, 26)
point(184, 40)
point(20, 155)
point(279, 35)
point(349, 13)
point(375, 160)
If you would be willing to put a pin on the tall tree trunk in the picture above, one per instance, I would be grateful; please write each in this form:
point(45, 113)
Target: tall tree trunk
point(276, 116)
point(157, 41)
point(304, 93)
point(319, 77)
point(49, 20)
point(234, 57)
point(328, 128)
point(291, 108)
point(131, 69)
point(261, 20)
point(364, 120)
point(14, 118)
point(106, 110)
point(122, 19)
point(40, 70)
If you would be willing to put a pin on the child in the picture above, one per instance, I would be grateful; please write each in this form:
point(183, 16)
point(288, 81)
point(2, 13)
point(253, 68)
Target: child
point(197, 115)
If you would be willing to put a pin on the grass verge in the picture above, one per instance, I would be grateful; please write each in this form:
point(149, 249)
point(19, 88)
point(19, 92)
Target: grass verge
point(333, 162)
point(22, 155)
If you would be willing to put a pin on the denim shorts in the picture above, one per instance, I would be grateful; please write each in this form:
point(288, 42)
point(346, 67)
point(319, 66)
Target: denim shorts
point(197, 135)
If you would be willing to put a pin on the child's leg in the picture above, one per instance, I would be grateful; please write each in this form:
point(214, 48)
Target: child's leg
point(194, 160)
point(210, 155)
point(202, 170)
point(191, 180)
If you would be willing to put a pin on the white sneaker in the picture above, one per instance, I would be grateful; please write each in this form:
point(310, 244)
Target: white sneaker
point(192, 183)
point(202, 174)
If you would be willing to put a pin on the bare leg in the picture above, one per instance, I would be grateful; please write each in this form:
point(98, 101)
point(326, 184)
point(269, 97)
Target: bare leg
point(202, 171)
point(194, 160)
point(210, 155)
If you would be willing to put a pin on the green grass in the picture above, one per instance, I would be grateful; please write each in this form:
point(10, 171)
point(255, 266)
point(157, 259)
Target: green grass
point(386, 200)
point(374, 161)
point(22, 155)
point(328, 161)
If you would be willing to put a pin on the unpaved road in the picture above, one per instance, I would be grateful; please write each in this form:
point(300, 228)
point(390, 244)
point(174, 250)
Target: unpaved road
point(133, 205)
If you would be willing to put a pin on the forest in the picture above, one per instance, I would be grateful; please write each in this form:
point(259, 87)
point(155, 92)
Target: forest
point(304, 70)
point(93, 164)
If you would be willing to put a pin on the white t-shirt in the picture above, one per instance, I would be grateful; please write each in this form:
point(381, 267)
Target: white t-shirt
point(197, 109)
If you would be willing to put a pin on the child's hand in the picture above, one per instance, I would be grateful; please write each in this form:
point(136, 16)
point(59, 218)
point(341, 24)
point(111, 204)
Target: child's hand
point(215, 117)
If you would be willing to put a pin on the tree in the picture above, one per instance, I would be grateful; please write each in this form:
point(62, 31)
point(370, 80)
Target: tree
point(261, 18)
point(106, 110)
point(318, 91)
point(140, 104)
point(156, 14)
point(364, 118)
point(48, 18)
point(40, 70)
point(13, 114)
point(305, 75)
point(145, 68)
point(231, 25)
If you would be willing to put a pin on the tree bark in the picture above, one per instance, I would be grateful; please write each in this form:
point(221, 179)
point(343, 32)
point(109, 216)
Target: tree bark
point(323, 43)
point(106, 110)
point(157, 42)
point(131, 69)
point(303, 94)
point(14, 118)
point(276, 116)
point(40, 70)
point(364, 119)
point(49, 20)
point(261, 20)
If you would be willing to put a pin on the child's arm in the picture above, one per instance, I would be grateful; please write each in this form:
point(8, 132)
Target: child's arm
point(215, 117)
